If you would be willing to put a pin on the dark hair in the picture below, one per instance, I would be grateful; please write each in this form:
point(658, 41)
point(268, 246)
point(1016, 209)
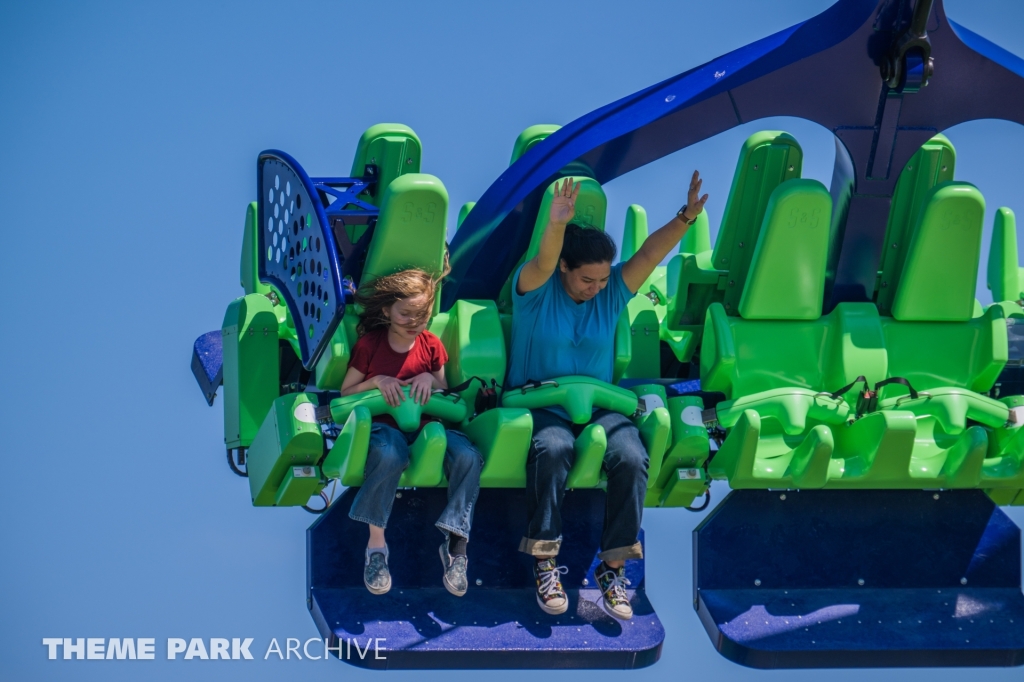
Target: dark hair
point(585, 245)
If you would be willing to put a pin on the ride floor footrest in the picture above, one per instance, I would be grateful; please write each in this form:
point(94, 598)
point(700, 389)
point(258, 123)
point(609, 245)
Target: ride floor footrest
point(498, 623)
point(870, 578)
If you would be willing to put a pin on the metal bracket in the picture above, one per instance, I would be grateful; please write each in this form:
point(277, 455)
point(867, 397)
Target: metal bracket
point(909, 64)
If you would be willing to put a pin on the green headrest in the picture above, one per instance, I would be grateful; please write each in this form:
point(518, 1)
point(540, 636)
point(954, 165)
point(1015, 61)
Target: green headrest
point(591, 207)
point(411, 228)
point(786, 280)
point(577, 395)
point(939, 275)
point(528, 138)
point(393, 148)
point(450, 408)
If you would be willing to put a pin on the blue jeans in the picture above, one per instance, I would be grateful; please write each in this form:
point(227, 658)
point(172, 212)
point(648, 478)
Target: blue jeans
point(547, 468)
point(388, 457)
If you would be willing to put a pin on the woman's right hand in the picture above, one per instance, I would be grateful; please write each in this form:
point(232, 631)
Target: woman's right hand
point(563, 206)
point(391, 389)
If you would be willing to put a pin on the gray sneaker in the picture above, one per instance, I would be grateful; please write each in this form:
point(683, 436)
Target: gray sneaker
point(376, 575)
point(455, 580)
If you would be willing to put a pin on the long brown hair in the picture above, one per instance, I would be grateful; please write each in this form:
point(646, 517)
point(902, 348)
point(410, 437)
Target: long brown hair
point(384, 292)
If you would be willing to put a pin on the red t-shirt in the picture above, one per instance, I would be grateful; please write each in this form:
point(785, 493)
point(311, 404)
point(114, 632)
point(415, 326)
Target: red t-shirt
point(373, 356)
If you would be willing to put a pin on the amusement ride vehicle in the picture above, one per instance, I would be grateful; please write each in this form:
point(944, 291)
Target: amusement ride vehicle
point(826, 357)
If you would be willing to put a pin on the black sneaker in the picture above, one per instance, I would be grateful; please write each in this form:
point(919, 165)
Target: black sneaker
point(376, 575)
point(454, 579)
point(550, 595)
point(612, 582)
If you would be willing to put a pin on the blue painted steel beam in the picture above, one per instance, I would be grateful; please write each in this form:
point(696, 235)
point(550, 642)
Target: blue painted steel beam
point(826, 70)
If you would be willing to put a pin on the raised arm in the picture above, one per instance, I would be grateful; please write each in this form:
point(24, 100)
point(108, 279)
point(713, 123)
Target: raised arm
point(637, 269)
point(538, 269)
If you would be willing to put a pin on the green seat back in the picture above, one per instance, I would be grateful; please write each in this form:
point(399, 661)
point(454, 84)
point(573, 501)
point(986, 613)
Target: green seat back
point(475, 343)
point(931, 165)
point(767, 159)
point(938, 278)
point(411, 228)
point(786, 279)
point(1004, 273)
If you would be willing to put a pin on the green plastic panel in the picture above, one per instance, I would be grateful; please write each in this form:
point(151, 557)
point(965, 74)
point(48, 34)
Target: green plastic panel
point(644, 352)
point(577, 395)
point(251, 367)
point(407, 414)
point(786, 280)
point(529, 137)
point(249, 270)
point(589, 447)
point(931, 355)
point(463, 212)
point(635, 232)
point(698, 237)
point(941, 269)
point(394, 149)
point(475, 343)
point(289, 437)
point(767, 159)
point(931, 165)
point(333, 364)
point(503, 437)
point(744, 357)
point(411, 229)
point(1004, 273)
point(299, 484)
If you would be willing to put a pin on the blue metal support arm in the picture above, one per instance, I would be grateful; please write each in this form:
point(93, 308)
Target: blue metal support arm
point(827, 70)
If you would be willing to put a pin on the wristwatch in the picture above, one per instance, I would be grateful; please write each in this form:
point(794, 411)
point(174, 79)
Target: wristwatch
point(681, 214)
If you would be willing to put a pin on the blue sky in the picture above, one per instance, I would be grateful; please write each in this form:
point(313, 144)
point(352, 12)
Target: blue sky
point(129, 133)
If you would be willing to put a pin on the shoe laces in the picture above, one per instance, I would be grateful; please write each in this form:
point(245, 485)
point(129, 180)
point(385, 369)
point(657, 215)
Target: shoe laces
point(550, 576)
point(616, 589)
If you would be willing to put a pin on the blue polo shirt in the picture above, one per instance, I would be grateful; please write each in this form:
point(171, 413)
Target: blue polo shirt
point(554, 336)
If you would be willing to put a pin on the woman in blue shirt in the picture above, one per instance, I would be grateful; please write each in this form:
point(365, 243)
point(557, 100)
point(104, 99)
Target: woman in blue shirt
point(564, 325)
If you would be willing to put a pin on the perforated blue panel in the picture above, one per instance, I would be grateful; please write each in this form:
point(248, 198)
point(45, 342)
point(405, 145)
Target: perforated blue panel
point(297, 253)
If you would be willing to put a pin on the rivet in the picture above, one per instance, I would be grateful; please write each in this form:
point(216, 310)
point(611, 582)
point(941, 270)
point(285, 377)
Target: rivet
point(755, 166)
point(741, 245)
point(944, 168)
point(398, 494)
point(894, 245)
point(963, 581)
point(860, 581)
point(935, 496)
point(885, 284)
point(408, 162)
point(757, 582)
point(791, 168)
point(910, 168)
point(782, 496)
point(479, 582)
point(585, 582)
point(732, 283)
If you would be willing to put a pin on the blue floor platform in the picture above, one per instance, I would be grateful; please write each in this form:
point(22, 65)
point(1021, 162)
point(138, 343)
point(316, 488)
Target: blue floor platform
point(498, 623)
point(834, 579)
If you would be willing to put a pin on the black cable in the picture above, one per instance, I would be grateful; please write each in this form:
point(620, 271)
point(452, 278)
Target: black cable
point(318, 511)
point(239, 472)
point(707, 501)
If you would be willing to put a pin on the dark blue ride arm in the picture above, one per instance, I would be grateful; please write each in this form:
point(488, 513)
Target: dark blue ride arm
point(826, 70)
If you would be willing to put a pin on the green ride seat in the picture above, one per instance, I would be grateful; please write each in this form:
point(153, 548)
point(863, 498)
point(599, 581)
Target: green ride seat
point(695, 280)
point(780, 358)
point(1004, 275)
point(951, 357)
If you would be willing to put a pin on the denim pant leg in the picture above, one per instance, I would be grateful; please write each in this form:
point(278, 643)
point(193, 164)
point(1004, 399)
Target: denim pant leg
point(462, 465)
point(625, 463)
point(547, 468)
point(386, 459)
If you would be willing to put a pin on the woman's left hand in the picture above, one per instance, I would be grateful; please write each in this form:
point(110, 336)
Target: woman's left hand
point(420, 387)
point(694, 202)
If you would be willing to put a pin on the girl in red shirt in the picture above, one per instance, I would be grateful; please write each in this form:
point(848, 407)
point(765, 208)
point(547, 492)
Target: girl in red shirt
point(395, 350)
